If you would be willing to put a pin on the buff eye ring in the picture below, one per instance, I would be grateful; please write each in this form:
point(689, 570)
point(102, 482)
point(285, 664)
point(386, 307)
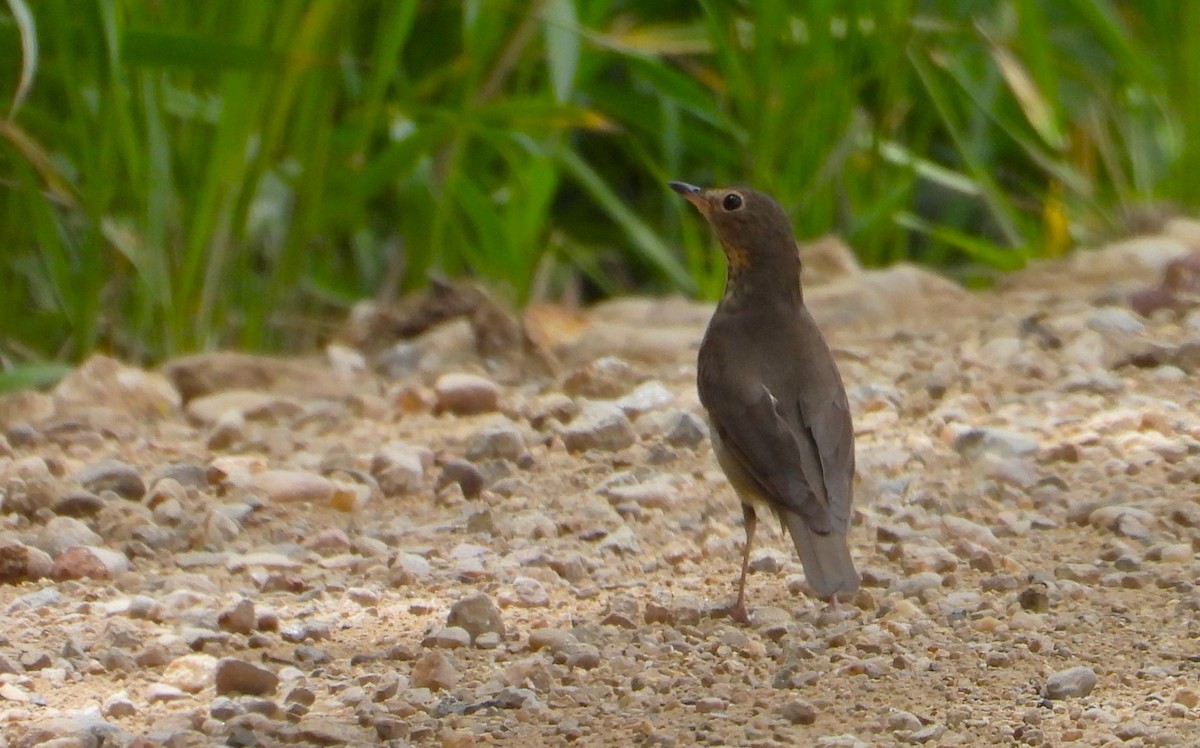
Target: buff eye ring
point(731, 202)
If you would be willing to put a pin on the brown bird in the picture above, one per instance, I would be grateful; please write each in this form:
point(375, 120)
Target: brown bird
point(781, 426)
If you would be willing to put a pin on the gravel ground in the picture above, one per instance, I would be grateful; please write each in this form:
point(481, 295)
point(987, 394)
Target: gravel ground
point(465, 551)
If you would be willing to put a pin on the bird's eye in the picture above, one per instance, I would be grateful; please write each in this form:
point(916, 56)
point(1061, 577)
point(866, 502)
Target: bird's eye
point(732, 201)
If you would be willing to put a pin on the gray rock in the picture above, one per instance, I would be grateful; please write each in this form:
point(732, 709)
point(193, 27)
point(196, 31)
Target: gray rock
point(555, 640)
point(191, 672)
point(622, 612)
point(78, 504)
point(601, 426)
point(89, 561)
point(61, 533)
point(118, 705)
point(112, 475)
point(798, 712)
point(466, 394)
point(1070, 683)
point(476, 614)
point(584, 657)
point(19, 562)
point(105, 380)
point(686, 429)
point(449, 637)
point(463, 472)
point(35, 659)
point(434, 671)
point(238, 618)
point(499, 441)
point(976, 443)
point(238, 676)
point(607, 376)
point(658, 492)
point(287, 486)
point(42, 598)
point(621, 540)
point(1111, 319)
point(185, 474)
point(30, 486)
point(224, 709)
point(526, 593)
point(398, 468)
point(927, 733)
point(646, 397)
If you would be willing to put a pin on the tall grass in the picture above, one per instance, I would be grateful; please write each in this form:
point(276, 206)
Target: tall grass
point(187, 174)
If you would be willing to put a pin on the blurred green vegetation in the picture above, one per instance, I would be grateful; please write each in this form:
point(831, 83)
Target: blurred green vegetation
point(179, 174)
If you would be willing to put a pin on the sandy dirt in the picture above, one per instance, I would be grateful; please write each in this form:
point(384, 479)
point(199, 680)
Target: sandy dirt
point(276, 560)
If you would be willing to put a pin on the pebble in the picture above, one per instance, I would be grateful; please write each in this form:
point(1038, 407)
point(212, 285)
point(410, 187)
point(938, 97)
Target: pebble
point(499, 441)
point(238, 406)
point(112, 475)
point(525, 592)
point(78, 504)
point(605, 377)
point(239, 618)
point(102, 379)
point(621, 540)
point(463, 473)
point(710, 704)
point(61, 533)
point(399, 468)
point(466, 394)
point(156, 692)
point(601, 426)
point(224, 709)
point(238, 676)
point(902, 721)
point(959, 527)
point(621, 611)
point(646, 397)
point(435, 671)
point(191, 672)
point(89, 561)
point(287, 486)
point(19, 562)
point(686, 429)
point(975, 443)
point(449, 637)
point(476, 614)
point(118, 705)
point(555, 640)
point(330, 541)
point(30, 486)
point(1070, 683)
point(798, 712)
point(1110, 320)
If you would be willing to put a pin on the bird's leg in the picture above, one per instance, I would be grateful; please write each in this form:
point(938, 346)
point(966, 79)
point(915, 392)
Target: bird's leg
point(739, 608)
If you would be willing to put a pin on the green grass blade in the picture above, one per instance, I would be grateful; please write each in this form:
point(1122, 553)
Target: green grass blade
point(559, 25)
point(29, 53)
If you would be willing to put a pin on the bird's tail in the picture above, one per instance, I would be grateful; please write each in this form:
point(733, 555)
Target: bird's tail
point(826, 558)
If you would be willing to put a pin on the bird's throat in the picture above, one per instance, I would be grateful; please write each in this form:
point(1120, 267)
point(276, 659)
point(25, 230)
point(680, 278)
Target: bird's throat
point(746, 280)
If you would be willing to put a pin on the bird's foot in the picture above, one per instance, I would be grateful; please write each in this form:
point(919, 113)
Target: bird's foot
point(835, 612)
point(737, 611)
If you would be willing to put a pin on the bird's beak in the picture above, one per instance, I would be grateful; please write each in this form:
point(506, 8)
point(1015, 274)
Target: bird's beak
point(694, 195)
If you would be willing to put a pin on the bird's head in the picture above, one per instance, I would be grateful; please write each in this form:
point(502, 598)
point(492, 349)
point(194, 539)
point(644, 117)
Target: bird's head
point(754, 230)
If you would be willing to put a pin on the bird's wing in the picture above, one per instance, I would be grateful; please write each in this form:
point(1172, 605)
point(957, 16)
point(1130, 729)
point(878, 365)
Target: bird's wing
point(828, 424)
point(772, 441)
